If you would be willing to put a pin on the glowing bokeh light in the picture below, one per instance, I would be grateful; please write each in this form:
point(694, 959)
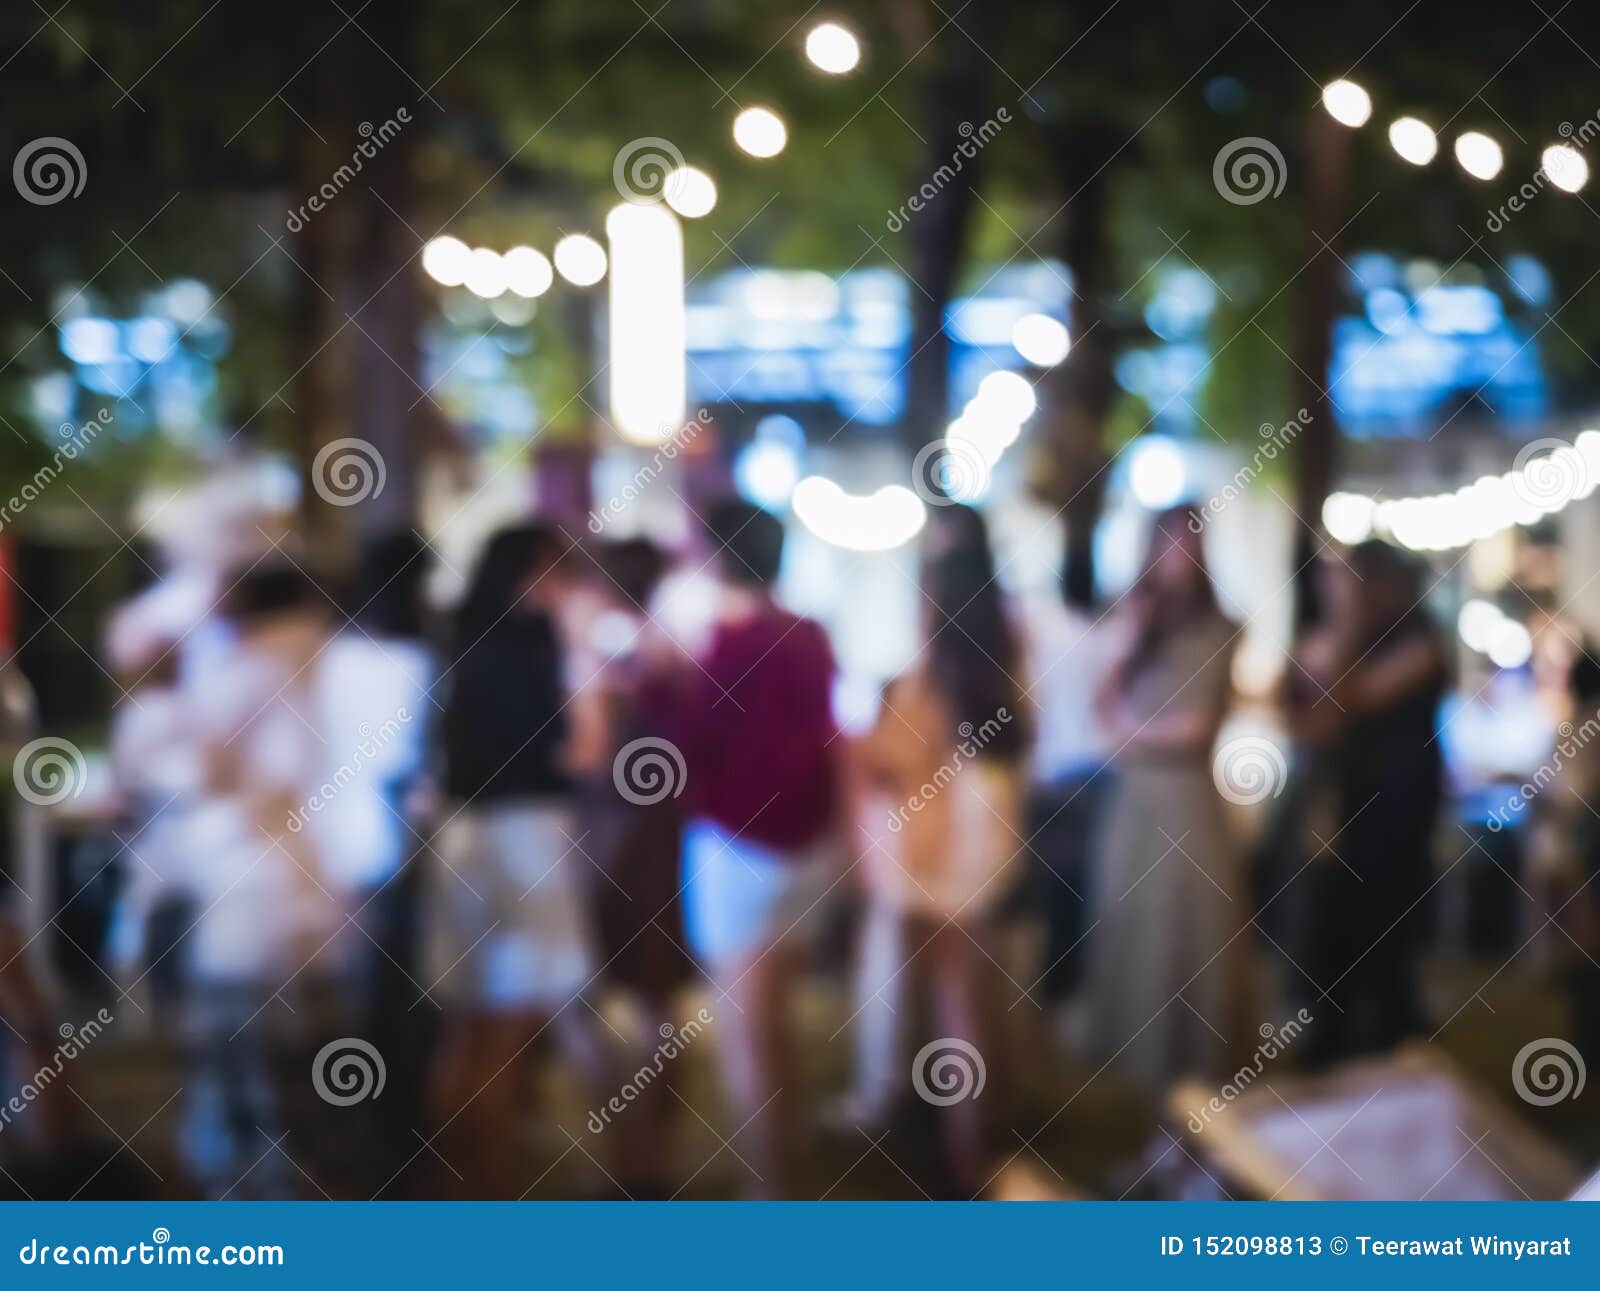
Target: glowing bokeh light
point(1414, 140)
point(1006, 395)
point(880, 521)
point(1041, 340)
point(486, 273)
point(528, 272)
point(760, 132)
point(1156, 473)
point(1565, 167)
point(690, 192)
point(832, 48)
point(446, 261)
point(580, 260)
point(1347, 103)
point(1347, 517)
point(648, 380)
point(1479, 155)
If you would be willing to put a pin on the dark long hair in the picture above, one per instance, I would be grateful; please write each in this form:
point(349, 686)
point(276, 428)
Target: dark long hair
point(513, 556)
point(1164, 616)
point(972, 651)
point(632, 568)
point(389, 585)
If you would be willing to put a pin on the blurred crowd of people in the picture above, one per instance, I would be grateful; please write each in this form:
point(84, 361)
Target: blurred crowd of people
point(450, 838)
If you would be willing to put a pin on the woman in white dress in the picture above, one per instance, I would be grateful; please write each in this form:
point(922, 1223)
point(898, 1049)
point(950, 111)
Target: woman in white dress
point(944, 771)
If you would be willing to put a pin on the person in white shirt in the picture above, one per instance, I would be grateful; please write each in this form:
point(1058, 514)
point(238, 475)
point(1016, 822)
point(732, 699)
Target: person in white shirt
point(1070, 650)
point(270, 915)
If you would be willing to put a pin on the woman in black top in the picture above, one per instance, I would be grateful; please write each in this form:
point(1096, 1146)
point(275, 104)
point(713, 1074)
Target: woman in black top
point(1376, 871)
point(505, 722)
point(510, 946)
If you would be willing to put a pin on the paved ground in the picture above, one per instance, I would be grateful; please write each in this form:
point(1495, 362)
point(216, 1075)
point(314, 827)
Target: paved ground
point(1068, 1133)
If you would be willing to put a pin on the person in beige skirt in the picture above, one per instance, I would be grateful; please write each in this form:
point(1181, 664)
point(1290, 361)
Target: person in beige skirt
point(941, 820)
point(1170, 899)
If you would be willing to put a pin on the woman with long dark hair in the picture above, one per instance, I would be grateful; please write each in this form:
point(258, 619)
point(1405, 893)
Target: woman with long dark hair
point(510, 945)
point(1168, 893)
point(945, 762)
point(1371, 886)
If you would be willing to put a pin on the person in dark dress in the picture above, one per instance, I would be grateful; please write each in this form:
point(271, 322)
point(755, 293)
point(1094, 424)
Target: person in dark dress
point(1376, 871)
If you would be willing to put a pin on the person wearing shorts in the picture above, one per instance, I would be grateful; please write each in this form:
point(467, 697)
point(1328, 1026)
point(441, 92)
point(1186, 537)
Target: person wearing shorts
point(761, 753)
point(509, 949)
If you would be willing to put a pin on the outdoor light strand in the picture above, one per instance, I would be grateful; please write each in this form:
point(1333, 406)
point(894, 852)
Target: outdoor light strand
point(1479, 154)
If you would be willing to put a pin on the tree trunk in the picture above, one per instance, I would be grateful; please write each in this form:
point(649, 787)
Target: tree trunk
point(1327, 156)
point(360, 299)
point(1081, 390)
point(388, 400)
point(956, 103)
point(317, 403)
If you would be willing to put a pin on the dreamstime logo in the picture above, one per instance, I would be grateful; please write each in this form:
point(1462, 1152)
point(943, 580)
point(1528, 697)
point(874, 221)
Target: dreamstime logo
point(972, 740)
point(1249, 770)
point(74, 1040)
point(372, 139)
point(1548, 473)
point(49, 770)
point(948, 1070)
point(1570, 741)
point(645, 169)
point(49, 169)
point(347, 1070)
point(1274, 1040)
point(973, 138)
point(1274, 440)
point(74, 440)
point(1249, 170)
point(672, 445)
point(649, 770)
point(948, 470)
point(674, 1040)
point(1547, 1070)
point(372, 743)
point(347, 471)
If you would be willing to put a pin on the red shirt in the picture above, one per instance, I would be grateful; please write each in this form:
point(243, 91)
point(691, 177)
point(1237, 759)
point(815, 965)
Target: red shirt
point(757, 731)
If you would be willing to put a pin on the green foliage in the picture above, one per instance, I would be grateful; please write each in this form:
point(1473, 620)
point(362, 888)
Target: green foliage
point(202, 128)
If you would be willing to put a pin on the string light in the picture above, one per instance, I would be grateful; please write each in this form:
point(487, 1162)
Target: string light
point(1041, 340)
point(1347, 103)
point(760, 132)
point(1479, 155)
point(832, 48)
point(1414, 140)
point(486, 273)
point(690, 192)
point(528, 272)
point(446, 261)
point(1565, 166)
point(1543, 486)
point(880, 521)
point(580, 260)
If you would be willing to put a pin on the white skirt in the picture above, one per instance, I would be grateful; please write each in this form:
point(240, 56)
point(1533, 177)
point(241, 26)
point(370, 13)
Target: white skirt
point(508, 929)
point(740, 898)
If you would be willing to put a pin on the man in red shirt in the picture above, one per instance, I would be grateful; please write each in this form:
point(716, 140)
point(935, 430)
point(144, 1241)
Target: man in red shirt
point(760, 746)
